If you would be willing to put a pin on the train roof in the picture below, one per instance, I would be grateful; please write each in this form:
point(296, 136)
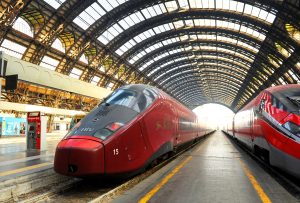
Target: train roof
point(138, 87)
point(280, 88)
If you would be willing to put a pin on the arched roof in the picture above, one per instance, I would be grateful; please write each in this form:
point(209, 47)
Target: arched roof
point(222, 51)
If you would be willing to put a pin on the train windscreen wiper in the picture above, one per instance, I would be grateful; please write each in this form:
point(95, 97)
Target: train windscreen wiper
point(295, 100)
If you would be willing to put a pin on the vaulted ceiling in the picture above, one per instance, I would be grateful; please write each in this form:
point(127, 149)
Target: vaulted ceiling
point(198, 51)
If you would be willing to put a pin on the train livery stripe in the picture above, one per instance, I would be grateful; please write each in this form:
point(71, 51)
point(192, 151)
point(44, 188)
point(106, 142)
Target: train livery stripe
point(262, 195)
point(20, 170)
point(154, 190)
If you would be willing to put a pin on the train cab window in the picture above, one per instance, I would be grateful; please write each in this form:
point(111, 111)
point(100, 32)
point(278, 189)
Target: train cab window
point(290, 98)
point(145, 100)
point(122, 97)
point(262, 105)
point(277, 103)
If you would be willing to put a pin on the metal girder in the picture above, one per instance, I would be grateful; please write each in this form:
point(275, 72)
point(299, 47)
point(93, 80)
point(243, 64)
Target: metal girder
point(190, 87)
point(194, 97)
point(217, 70)
point(178, 83)
point(176, 46)
point(185, 63)
point(185, 78)
point(189, 99)
point(251, 22)
point(198, 54)
point(192, 79)
point(131, 6)
point(203, 72)
point(192, 92)
point(188, 31)
point(60, 20)
point(198, 61)
point(226, 90)
point(159, 63)
point(196, 57)
point(197, 43)
point(278, 71)
point(55, 24)
point(260, 59)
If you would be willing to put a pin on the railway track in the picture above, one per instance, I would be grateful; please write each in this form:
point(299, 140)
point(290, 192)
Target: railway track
point(290, 183)
point(99, 190)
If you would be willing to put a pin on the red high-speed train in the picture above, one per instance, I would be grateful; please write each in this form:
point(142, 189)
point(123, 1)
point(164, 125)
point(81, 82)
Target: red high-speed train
point(270, 126)
point(125, 133)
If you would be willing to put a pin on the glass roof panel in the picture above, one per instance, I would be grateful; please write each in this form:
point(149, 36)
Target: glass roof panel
point(238, 67)
point(58, 45)
point(184, 4)
point(162, 82)
point(55, 3)
point(12, 48)
point(87, 17)
point(21, 25)
point(49, 62)
point(106, 5)
point(208, 37)
point(171, 6)
point(76, 73)
point(95, 80)
point(205, 22)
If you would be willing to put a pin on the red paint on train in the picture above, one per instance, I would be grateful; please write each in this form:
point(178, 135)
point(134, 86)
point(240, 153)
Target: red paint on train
point(270, 125)
point(159, 129)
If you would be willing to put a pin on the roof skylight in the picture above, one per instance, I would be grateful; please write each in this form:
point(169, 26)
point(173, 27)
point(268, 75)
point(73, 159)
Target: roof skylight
point(55, 3)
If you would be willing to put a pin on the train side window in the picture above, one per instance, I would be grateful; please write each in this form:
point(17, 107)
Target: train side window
point(262, 105)
point(145, 100)
point(184, 124)
point(142, 102)
point(276, 102)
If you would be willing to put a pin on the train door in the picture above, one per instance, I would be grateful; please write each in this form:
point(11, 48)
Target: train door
point(174, 124)
point(133, 144)
point(127, 152)
point(159, 125)
point(251, 126)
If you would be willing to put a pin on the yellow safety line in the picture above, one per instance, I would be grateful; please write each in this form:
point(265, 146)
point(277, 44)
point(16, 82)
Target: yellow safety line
point(149, 195)
point(263, 196)
point(6, 173)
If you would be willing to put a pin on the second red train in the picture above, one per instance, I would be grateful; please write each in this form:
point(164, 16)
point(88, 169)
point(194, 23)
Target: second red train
point(270, 126)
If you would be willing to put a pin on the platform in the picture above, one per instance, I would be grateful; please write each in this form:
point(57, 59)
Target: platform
point(16, 161)
point(215, 171)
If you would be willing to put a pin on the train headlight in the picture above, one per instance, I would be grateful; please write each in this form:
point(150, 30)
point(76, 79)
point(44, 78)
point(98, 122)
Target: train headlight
point(292, 127)
point(103, 133)
point(114, 126)
point(108, 130)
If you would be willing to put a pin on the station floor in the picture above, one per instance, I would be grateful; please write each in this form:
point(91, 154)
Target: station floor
point(215, 171)
point(15, 160)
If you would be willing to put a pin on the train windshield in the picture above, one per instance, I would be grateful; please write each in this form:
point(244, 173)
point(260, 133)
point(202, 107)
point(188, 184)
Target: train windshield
point(138, 101)
point(289, 99)
point(122, 97)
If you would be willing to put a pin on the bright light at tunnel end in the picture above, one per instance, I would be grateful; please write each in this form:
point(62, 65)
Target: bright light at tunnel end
point(217, 116)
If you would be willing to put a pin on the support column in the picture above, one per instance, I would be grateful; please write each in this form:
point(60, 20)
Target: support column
point(49, 123)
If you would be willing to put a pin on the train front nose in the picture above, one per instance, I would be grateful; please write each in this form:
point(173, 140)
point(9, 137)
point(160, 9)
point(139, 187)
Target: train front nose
point(79, 157)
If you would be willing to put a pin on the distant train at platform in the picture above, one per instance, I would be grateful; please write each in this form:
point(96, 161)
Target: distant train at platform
point(128, 131)
point(270, 126)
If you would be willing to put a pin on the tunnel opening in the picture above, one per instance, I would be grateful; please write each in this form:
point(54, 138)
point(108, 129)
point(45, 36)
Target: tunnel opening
point(216, 115)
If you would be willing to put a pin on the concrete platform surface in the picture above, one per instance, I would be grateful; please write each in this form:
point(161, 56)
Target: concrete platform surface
point(214, 171)
point(16, 161)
